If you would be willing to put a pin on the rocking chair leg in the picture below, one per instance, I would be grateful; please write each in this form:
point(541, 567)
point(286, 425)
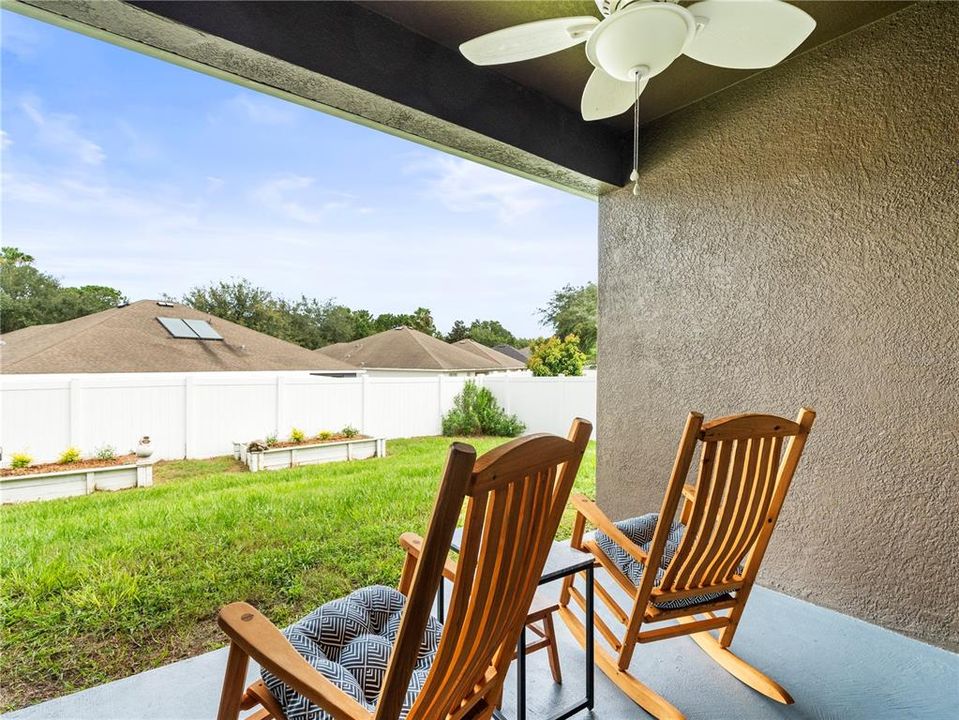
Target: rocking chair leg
point(234, 681)
point(549, 631)
point(642, 695)
point(739, 668)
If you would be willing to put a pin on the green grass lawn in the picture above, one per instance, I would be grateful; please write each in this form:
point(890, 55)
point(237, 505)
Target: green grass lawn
point(100, 587)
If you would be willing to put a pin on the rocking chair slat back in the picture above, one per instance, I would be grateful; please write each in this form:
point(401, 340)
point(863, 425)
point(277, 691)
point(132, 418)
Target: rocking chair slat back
point(738, 474)
point(515, 499)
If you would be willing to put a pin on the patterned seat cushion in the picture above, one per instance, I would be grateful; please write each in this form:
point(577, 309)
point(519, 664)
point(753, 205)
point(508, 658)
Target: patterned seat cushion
point(349, 641)
point(640, 531)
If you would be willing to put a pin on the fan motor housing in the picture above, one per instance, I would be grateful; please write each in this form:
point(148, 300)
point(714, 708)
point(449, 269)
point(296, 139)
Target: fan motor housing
point(647, 35)
point(608, 7)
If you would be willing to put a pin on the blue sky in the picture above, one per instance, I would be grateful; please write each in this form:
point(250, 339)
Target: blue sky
point(119, 169)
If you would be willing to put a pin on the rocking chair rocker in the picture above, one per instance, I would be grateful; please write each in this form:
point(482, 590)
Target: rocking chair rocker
point(694, 570)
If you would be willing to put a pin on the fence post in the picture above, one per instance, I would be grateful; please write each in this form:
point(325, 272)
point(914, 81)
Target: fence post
point(188, 382)
point(364, 403)
point(76, 421)
point(279, 405)
point(439, 403)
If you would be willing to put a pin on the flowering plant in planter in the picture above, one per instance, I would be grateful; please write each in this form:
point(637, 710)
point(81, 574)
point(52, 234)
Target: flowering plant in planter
point(69, 456)
point(325, 446)
point(71, 459)
point(20, 460)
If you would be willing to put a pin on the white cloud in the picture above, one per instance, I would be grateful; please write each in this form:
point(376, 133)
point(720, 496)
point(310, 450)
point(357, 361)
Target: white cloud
point(19, 38)
point(468, 187)
point(79, 197)
point(138, 146)
point(58, 131)
point(5, 140)
point(264, 109)
point(296, 198)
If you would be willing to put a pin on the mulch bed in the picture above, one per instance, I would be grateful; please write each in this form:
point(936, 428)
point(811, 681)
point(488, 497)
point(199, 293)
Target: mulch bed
point(63, 467)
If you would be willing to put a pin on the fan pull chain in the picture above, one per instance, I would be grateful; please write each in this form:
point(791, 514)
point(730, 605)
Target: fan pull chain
point(634, 175)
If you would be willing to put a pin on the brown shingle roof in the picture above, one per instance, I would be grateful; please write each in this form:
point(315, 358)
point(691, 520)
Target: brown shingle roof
point(521, 354)
point(504, 361)
point(131, 339)
point(403, 348)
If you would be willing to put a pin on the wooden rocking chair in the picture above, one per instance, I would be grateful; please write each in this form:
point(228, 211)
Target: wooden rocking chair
point(726, 522)
point(514, 496)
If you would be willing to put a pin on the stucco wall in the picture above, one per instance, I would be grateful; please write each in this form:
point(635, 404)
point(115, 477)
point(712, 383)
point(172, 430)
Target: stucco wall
point(796, 243)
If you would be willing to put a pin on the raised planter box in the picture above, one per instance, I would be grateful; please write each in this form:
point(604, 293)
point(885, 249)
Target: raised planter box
point(69, 483)
point(314, 454)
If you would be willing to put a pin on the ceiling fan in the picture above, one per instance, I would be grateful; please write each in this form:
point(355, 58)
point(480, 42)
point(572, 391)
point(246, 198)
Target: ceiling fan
point(638, 39)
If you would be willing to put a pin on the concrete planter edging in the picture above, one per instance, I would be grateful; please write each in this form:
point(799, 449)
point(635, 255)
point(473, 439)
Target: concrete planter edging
point(315, 454)
point(72, 483)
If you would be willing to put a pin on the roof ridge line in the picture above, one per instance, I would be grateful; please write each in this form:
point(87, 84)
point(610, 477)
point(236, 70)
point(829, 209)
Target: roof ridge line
point(73, 335)
point(414, 334)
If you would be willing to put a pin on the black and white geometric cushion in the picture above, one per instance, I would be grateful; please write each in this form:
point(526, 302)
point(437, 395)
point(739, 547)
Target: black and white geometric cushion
point(349, 641)
point(640, 531)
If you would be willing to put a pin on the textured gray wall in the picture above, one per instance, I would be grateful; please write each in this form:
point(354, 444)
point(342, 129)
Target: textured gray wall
point(796, 243)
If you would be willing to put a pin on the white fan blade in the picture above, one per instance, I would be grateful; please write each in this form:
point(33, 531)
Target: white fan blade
point(747, 34)
point(530, 40)
point(605, 96)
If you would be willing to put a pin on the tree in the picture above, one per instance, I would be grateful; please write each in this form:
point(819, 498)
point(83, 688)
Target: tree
point(87, 299)
point(31, 297)
point(552, 357)
point(362, 324)
point(304, 324)
point(242, 302)
point(421, 319)
point(341, 324)
point(486, 332)
point(490, 333)
point(572, 311)
point(27, 296)
point(458, 332)
point(307, 322)
point(14, 256)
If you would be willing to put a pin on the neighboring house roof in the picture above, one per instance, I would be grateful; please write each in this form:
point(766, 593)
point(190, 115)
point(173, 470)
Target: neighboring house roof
point(403, 348)
point(521, 355)
point(132, 339)
point(490, 354)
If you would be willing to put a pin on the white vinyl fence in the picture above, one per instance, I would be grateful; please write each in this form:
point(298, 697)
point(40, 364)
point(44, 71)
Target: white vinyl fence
point(198, 415)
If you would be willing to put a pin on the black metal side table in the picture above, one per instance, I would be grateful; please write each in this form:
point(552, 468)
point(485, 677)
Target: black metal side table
point(561, 562)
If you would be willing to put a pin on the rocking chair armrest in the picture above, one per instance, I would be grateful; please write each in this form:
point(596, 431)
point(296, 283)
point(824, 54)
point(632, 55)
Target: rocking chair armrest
point(413, 544)
point(261, 640)
point(590, 510)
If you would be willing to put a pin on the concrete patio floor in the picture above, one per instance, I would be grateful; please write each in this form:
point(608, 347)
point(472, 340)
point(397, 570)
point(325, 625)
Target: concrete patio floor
point(835, 667)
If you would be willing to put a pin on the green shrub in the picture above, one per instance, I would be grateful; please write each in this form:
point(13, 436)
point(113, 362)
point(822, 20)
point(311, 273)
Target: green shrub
point(20, 460)
point(349, 432)
point(271, 440)
point(552, 357)
point(105, 452)
point(297, 435)
point(325, 435)
point(476, 412)
point(68, 456)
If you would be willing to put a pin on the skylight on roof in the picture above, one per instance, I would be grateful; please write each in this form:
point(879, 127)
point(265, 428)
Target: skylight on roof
point(189, 329)
point(203, 330)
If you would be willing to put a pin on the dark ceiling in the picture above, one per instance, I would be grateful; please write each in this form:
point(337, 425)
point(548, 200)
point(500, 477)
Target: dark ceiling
point(405, 52)
point(562, 76)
